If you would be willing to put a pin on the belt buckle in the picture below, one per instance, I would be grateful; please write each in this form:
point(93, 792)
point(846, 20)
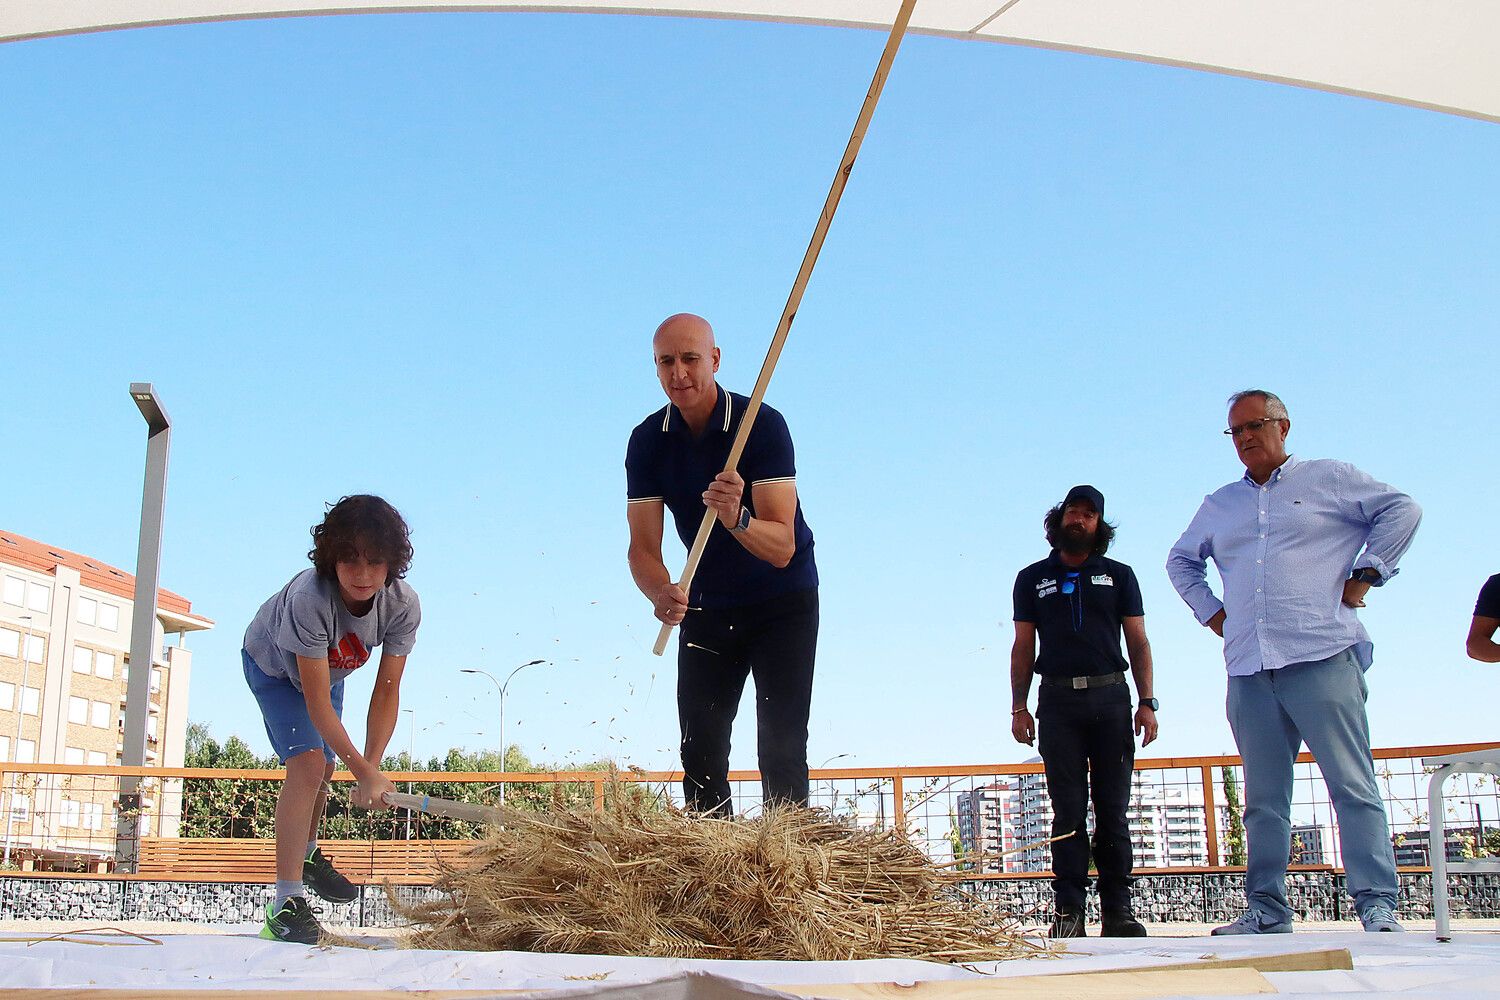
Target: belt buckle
point(1080, 683)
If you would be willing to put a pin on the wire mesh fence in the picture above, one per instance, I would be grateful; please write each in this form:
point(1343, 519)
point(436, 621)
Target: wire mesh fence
point(990, 821)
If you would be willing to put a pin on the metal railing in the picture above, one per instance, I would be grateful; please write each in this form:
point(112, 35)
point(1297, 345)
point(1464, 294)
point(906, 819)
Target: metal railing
point(986, 819)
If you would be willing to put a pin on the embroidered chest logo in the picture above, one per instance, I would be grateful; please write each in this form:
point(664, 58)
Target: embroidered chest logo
point(349, 654)
point(1102, 580)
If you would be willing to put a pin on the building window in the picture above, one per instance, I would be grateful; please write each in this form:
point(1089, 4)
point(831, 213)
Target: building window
point(31, 700)
point(10, 642)
point(15, 591)
point(39, 597)
point(104, 665)
point(83, 660)
point(88, 610)
point(26, 751)
point(35, 649)
point(151, 727)
point(99, 716)
point(72, 755)
point(109, 617)
point(7, 697)
point(96, 758)
point(71, 813)
point(94, 811)
point(78, 710)
point(155, 680)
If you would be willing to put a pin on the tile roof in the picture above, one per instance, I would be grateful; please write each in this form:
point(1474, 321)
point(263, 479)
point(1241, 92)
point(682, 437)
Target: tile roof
point(28, 553)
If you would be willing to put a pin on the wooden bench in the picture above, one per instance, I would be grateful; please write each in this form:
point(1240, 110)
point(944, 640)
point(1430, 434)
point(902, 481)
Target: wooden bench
point(363, 862)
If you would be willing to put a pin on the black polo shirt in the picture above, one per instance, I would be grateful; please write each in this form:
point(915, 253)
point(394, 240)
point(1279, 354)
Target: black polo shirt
point(1488, 605)
point(1077, 612)
point(665, 462)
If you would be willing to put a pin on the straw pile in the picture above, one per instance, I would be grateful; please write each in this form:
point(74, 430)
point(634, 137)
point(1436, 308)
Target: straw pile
point(640, 879)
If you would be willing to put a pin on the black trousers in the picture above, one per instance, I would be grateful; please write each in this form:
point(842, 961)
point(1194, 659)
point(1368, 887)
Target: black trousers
point(1087, 742)
point(774, 641)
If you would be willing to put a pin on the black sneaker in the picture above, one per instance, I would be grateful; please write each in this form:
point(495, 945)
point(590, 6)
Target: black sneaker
point(1066, 924)
point(1121, 923)
point(319, 875)
point(295, 922)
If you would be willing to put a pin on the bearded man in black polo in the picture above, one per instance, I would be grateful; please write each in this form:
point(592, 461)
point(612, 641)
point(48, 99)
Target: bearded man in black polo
point(1078, 603)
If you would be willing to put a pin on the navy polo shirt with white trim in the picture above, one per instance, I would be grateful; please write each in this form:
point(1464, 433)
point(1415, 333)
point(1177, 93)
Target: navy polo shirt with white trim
point(665, 462)
point(1079, 630)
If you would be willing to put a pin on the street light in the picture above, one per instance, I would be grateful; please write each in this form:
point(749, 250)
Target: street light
point(502, 689)
point(143, 619)
point(833, 799)
point(15, 745)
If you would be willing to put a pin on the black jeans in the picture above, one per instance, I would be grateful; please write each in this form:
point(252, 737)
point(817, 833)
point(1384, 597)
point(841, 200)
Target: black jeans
point(1084, 735)
point(776, 642)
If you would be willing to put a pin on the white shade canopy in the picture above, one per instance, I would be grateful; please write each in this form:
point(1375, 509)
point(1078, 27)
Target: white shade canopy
point(1443, 55)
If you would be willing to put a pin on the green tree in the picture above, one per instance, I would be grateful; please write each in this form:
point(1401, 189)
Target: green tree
point(1235, 837)
point(226, 807)
point(246, 807)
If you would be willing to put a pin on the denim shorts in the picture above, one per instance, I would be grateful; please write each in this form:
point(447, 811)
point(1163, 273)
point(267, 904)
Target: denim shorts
point(284, 708)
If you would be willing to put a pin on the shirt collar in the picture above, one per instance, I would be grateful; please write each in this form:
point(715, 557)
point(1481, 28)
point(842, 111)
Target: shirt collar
point(719, 420)
point(1062, 567)
point(1291, 463)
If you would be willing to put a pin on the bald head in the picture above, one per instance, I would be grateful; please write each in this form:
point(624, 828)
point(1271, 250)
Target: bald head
point(686, 360)
point(685, 329)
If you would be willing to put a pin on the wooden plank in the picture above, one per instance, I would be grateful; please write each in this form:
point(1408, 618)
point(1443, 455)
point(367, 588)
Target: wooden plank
point(1133, 984)
point(1322, 960)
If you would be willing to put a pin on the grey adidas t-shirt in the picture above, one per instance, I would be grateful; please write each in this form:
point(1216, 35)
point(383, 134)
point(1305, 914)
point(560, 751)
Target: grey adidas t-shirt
point(308, 618)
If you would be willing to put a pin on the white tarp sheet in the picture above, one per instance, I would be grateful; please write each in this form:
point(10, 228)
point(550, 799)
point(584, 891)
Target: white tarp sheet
point(1385, 965)
point(1438, 54)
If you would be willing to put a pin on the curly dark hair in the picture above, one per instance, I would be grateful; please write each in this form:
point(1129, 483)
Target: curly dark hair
point(1053, 524)
point(361, 524)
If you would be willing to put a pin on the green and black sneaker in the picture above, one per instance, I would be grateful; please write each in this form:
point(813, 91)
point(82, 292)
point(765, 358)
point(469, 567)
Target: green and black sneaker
point(319, 875)
point(295, 922)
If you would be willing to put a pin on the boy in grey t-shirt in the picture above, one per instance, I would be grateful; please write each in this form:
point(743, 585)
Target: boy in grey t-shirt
point(300, 646)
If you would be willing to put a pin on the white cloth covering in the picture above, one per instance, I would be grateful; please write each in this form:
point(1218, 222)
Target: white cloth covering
point(1386, 965)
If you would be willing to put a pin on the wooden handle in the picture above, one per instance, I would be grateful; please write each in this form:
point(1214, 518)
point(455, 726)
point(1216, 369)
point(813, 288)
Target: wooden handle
point(794, 300)
point(443, 807)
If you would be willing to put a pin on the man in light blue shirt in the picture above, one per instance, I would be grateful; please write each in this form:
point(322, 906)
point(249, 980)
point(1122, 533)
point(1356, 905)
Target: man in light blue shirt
point(1298, 545)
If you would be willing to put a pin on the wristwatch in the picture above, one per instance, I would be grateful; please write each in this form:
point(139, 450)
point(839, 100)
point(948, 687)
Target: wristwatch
point(1368, 575)
point(1150, 703)
point(743, 524)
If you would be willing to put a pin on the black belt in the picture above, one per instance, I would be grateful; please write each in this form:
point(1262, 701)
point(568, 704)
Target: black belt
point(1090, 681)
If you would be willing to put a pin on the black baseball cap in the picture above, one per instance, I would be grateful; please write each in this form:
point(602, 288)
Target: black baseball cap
point(1089, 494)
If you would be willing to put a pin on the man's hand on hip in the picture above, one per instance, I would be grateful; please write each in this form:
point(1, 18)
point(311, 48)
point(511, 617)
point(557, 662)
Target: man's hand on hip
point(1216, 623)
point(726, 495)
point(1354, 593)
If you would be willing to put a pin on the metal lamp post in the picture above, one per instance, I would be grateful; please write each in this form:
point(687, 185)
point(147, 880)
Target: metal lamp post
point(143, 620)
point(15, 745)
point(502, 688)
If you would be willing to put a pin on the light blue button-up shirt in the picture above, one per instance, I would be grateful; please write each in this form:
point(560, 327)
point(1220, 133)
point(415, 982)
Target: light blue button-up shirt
point(1284, 550)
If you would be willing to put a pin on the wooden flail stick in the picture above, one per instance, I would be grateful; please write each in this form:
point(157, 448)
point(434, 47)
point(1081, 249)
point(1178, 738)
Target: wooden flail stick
point(794, 300)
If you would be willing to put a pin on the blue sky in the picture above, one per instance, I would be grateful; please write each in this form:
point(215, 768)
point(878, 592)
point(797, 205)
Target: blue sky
point(422, 255)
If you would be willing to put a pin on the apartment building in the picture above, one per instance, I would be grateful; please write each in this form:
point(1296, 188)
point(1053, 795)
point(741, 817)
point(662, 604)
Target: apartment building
point(65, 622)
point(989, 818)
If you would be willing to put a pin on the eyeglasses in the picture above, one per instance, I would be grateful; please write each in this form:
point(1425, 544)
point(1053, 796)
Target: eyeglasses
point(1253, 426)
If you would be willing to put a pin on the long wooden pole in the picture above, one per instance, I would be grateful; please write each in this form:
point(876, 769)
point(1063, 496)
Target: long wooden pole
point(794, 300)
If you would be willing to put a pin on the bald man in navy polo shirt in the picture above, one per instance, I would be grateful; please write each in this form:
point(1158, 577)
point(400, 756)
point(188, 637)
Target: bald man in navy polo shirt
point(753, 609)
